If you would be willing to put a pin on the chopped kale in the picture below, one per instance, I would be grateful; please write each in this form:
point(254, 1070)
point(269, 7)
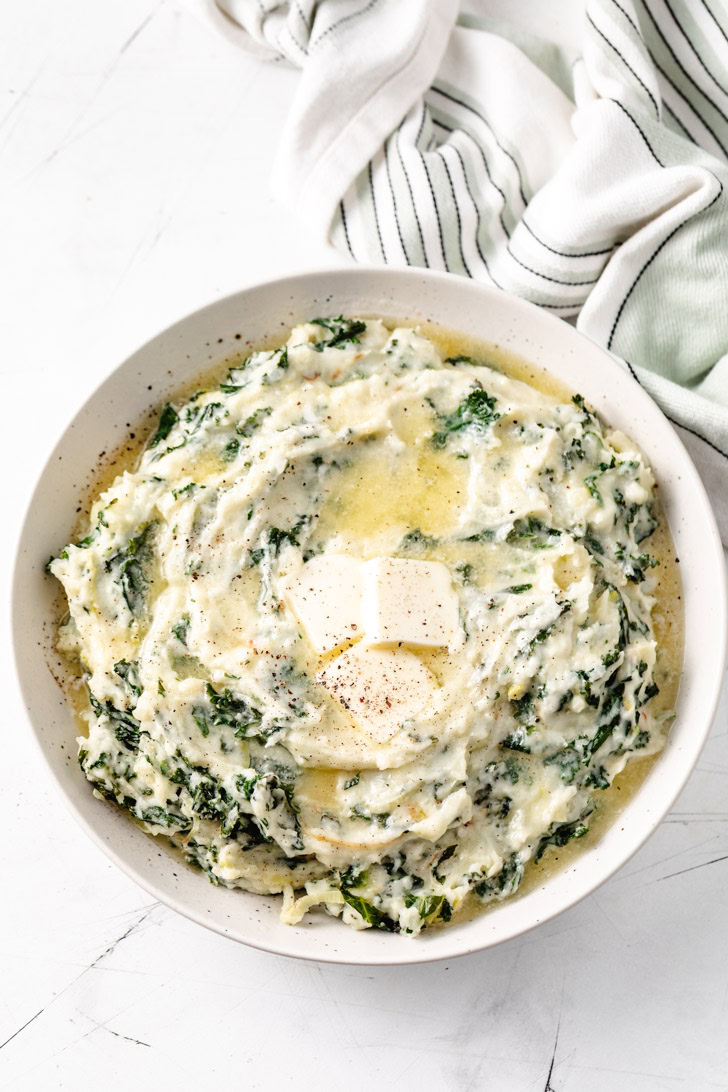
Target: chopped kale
point(531, 532)
point(593, 544)
point(354, 876)
point(416, 540)
point(161, 818)
point(368, 913)
point(181, 629)
point(129, 568)
point(342, 331)
point(598, 777)
point(203, 415)
point(168, 419)
point(444, 856)
point(477, 412)
point(587, 415)
point(564, 700)
point(522, 708)
point(573, 454)
point(504, 882)
point(610, 714)
point(428, 906)
point(516, 741)
point(486, 535)
point(589, 482)
point(127, 728)
point(230, 451)
point(251, 424)
point(651, 690)
point(634, 566)
point(274, 538)
point(545, 633)
point(129, 675)
point(461, 358)
point(226, 709)
point(561, 835)
point(568, 761)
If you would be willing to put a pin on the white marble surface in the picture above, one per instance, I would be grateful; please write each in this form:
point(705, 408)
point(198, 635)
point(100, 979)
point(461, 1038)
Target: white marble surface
point(134, 153)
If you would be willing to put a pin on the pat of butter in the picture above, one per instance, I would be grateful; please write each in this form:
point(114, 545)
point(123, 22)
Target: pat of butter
point(325, 597)
point(381, 688)
point(409, 602)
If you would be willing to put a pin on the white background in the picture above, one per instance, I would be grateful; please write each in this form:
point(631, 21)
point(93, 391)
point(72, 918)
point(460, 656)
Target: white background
point(135, 148)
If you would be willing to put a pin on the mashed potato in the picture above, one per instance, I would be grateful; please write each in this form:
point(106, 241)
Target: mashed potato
point(367, 627)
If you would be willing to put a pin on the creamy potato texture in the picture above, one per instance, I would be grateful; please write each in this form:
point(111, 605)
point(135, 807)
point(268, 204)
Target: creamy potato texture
point(367, 627)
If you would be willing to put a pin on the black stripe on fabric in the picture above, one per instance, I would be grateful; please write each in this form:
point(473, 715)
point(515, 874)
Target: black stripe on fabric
point(346, 229)
point(652, 257)
point(344, 19)
point(376, 214)
point(639, 129)
point(418, 138)
point(437, 213)
point(562, 253)
point(483, 258)
point(687, 75)
point(698, 58)
point(429, 183)
point(467, 106)
point(447, 129)
point(293, 37)
point(301, 16)
point(494, 184)
point(554, 280)
point(457, 212)
point(630, 20)
point(412, 196)
point(690, 107)
point(679, 424)
point(296, 42)
point(675, 118)
point(394, 204)
point(712, 16)
point(626, 63)
point(699, 435)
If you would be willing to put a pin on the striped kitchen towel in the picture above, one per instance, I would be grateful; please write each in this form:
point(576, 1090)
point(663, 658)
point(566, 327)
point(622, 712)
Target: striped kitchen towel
point(428, 135)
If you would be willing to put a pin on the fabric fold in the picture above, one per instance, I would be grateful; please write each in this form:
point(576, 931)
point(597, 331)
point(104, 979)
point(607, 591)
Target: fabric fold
point(597, 190)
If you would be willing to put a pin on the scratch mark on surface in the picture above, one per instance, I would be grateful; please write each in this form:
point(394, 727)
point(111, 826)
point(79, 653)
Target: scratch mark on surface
point(135, 34)
point(128, 1038)
point(107, 951)
point(704, 864)
point(621, 876)
point(340, 1012)
point(604, 913)
point(20, 98)
point(72, 138)
point(103, 80)
point(548, 1087)
point(99, 1026)
point(115, 943)
point(25, 1025)
point(13, 112)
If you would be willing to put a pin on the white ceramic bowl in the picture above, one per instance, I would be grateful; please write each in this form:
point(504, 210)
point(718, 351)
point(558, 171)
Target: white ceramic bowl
point(186, 348)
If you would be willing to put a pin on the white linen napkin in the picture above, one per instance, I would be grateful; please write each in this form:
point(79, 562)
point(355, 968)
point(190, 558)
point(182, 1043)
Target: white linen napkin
point(425, 135)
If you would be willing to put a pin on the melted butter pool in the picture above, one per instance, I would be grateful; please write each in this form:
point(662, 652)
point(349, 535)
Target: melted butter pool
point(382, 496)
